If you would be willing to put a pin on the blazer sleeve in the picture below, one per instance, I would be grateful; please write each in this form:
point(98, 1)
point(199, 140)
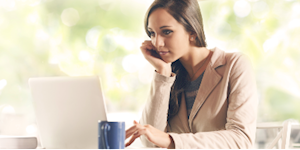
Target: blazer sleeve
point(241, 114)
point(156, 109)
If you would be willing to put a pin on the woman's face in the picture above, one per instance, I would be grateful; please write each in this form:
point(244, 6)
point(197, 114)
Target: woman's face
point(168, 36)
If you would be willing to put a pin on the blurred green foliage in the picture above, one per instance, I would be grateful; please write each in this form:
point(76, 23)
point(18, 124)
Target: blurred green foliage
point(102, 37)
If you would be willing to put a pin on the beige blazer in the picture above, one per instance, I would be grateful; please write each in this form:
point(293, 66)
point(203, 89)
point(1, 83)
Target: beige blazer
point(224, 112)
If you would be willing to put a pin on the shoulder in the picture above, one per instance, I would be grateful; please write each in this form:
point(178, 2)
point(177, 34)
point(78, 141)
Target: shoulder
point(229, 59)
point(239, 64)
point(238, 59)
point(235, 56)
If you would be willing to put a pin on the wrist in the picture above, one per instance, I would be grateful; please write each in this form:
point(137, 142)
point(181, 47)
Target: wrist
point(165, 70)
point(164, 73)
point(172, 144)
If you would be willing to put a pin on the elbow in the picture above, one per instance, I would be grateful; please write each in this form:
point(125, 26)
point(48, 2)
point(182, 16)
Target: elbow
point(245, 141)
point(248, 144)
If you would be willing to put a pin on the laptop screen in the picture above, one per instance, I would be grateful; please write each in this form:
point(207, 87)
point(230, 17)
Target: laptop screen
point(68, 110)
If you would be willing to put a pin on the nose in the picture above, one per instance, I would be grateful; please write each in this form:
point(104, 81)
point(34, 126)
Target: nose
point(158, 42)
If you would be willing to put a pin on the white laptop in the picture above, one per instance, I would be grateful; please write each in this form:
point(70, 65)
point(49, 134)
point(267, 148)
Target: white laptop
point(67, 111)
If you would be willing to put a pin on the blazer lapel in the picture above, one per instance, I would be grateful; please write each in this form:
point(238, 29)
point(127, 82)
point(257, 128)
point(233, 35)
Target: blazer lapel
point(210, 80)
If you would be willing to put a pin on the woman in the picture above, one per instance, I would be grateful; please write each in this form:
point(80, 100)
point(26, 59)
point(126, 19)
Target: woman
point(199, 98)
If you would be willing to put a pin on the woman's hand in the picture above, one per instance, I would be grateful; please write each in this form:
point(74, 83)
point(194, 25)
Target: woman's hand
point(150, 53)
point(154, 135)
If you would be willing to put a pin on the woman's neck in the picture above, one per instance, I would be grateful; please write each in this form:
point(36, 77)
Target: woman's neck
point(196, 61)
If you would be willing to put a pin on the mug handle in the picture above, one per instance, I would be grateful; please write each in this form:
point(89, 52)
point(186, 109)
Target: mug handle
point(106, 128)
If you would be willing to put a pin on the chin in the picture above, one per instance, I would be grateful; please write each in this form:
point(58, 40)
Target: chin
point(168, 60)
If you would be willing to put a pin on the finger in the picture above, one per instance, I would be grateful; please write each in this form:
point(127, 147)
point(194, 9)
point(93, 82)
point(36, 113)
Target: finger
point(136, 135)
point(132, 139)
point(147, 47)
point(141, 129)
point(148, 52)
point(138, 126)
point(130, 131)
point(147, 41)
point(131, 128)
point(141, 132)
point(146, 132)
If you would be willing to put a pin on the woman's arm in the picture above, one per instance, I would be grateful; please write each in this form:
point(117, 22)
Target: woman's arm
point(154, 116)
point(156, 109)
point(157, 137)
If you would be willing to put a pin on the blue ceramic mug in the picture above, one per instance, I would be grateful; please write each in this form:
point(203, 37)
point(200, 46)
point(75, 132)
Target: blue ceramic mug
point(111, 135)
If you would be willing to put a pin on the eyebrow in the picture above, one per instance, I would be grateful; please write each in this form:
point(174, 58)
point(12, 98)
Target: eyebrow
point(159, 28)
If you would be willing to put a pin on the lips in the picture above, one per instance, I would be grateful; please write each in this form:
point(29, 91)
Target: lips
point(163, 52)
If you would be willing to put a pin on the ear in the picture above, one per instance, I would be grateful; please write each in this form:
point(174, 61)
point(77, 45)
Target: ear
point(192, 36)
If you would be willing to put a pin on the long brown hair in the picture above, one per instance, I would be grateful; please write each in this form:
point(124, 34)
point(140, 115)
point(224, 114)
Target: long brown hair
point(187, 13)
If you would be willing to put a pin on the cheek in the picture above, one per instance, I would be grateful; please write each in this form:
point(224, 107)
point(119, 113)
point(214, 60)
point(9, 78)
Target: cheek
point(152, 41)
point(178, 42)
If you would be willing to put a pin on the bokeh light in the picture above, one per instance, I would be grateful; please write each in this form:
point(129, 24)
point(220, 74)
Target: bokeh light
point(108, 43)
point(297, 75)
point(129, 82)
point(296, 8)
point(288, 62)
point(55, 41)
point(33, 18)
point(33, 3)
point(31, 129)
point(8, 5)
point(146, 73)
point(85, 56)
point(272, 43)
point(1, 20)
point(260, 9)
point(295, 23)
point(242, 8)
point(92, 37)
point(70, 17)
point(42, 35)
point(224, 29)
point(106, 5)
point(132, 63)
point(269, 44)
point(287, 83)
point(110, 79)
point(8, 109)
point(3, 83)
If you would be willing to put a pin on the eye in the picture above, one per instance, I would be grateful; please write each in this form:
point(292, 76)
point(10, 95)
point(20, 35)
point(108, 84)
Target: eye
point(151, 33)
point(167, 32)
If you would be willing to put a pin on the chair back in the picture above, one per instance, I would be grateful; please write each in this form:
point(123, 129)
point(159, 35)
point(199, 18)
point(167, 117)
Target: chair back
point(282, 139)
